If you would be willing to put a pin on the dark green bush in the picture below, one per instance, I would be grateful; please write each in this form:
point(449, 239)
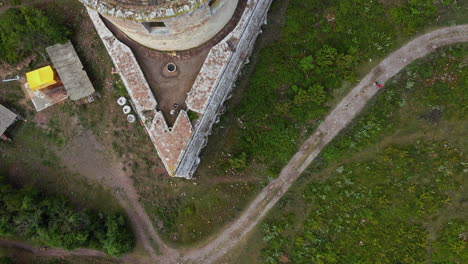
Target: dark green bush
point(6, 260)
point(412, 14)
point(26, 30)
point(192, 115)
point(54, 222)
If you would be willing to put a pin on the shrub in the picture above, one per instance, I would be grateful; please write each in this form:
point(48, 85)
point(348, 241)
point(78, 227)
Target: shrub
point(54, 222)
point(192, 115)
point(413, 14)
point(6, 260)
point(26, 30)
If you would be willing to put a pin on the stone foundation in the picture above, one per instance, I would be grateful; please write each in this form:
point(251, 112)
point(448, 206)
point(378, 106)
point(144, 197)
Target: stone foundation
point(179, 146)
point(181, 31)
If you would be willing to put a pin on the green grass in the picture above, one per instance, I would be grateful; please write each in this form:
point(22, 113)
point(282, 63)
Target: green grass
point(258, 136)
point(38, 165)
point(390, 189)
point(296, 77)
point(28, 31)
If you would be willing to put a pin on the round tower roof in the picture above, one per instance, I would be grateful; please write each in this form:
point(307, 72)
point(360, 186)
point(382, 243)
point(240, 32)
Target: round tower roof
point(143, 10)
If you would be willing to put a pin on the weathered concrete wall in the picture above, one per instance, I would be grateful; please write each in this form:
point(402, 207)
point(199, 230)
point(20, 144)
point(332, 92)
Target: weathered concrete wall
point(169, 142)
point(182, 32)
point(236, 47)
point(130, 10)
point(179, 147)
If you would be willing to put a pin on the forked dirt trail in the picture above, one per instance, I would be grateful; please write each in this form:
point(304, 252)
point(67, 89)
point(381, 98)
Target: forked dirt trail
point(86, 156)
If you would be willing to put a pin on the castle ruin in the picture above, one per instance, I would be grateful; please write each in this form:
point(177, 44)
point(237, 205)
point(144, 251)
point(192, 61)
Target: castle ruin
point(178, 58)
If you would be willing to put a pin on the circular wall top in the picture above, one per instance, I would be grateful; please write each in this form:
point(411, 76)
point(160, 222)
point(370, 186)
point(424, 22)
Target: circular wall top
point(143, 2)
point(144, 10)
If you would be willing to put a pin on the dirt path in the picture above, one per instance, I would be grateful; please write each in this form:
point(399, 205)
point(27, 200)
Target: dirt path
point(51, 251)
point(86, 156)
point(338, 119)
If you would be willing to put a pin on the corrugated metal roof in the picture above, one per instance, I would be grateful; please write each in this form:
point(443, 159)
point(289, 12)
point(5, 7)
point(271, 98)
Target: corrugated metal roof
point(7, 118)
point(70, 70)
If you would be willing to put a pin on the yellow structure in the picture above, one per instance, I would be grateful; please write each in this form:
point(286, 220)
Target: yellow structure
point(41, 78)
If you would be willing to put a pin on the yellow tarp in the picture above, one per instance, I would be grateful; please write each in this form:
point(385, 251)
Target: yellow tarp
point(41, 78)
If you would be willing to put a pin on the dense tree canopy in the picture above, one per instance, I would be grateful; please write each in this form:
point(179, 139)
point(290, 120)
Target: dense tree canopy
point(54, 222)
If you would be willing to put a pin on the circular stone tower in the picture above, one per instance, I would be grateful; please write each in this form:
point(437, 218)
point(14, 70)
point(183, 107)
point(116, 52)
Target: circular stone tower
point(167, 25)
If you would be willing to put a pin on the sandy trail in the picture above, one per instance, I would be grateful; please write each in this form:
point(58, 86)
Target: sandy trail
point(87, 157)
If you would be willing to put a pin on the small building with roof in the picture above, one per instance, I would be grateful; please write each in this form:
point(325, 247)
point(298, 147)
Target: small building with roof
point(48, 85)
point(7, 118)
point(44, 88)
point(70, 70)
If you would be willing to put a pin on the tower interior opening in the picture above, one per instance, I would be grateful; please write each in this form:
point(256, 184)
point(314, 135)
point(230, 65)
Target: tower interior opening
point(153, 26)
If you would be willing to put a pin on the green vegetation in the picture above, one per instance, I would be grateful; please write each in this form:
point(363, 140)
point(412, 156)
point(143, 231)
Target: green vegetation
point(390, 189)
point(72, 260)
point(192, 115)
point(18, 255)
point(6, 260)
point(451, 245)
point(322, 48)
point(51, 221)
point(375, 209)
point(321, 44)
point(27, 30)
point(318, 38)
point(32, 159)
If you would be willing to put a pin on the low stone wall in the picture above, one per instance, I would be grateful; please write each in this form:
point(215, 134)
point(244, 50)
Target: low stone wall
point(219, 73)
point(128, 68)
point(127, 10)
